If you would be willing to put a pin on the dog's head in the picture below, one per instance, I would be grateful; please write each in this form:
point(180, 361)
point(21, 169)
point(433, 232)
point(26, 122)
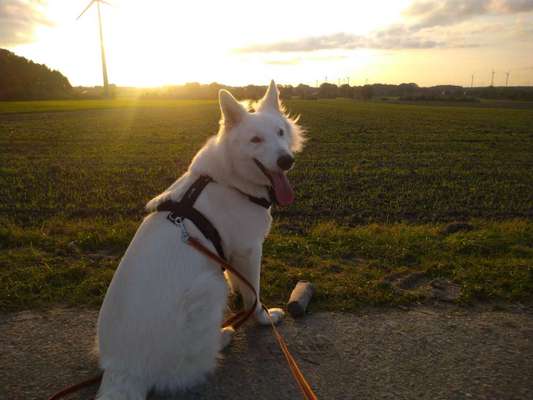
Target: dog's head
point(261, 143)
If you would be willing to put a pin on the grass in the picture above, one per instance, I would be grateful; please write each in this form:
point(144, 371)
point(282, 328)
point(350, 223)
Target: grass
point(375, 186)
point(8, 107)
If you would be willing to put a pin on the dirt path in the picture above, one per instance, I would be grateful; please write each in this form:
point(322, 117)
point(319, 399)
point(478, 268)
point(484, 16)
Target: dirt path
point(422, 353)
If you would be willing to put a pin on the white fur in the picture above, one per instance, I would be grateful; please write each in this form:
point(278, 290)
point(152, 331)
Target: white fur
point(159, 325)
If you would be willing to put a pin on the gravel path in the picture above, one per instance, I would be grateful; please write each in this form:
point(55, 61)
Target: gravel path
point(421, 353)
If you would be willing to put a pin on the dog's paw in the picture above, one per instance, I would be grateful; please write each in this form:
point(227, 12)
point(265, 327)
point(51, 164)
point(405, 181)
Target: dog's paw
point(276, 315)
point(226, 335)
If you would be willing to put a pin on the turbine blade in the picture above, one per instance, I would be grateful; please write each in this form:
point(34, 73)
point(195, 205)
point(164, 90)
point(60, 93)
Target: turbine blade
point(85, 9)
point(105, 2)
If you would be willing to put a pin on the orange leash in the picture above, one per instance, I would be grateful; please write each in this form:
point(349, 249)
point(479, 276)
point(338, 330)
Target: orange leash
point(296, 372)
point(241, 317)
point(76, 387)
point(235, 321)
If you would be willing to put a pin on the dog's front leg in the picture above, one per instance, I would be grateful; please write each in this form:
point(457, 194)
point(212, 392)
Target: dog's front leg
point(249, 265)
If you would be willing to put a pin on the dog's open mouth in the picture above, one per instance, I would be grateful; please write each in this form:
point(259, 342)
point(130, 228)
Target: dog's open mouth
point(282, 188)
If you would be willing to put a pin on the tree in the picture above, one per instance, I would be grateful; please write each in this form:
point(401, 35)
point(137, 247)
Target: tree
point(304, 91)
point(22, 79)
point(328, 91)
point(366, 92)
point(346, 90)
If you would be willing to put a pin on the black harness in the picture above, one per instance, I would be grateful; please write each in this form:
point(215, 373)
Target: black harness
point(184, 209)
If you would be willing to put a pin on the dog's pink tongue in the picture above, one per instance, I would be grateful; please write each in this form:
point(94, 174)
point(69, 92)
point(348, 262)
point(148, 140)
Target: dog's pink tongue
point(282, 189)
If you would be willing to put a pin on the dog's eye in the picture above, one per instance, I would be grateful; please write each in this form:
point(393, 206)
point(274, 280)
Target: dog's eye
point(256, 139)
point(281, 132)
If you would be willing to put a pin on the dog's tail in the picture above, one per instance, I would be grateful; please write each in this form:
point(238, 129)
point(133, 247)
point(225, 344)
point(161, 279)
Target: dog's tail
point(121, 386)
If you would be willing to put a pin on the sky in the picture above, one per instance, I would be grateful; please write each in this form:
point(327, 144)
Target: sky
point(239, 42)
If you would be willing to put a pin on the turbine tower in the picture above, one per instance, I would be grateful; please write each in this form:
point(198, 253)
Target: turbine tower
point(102, 51)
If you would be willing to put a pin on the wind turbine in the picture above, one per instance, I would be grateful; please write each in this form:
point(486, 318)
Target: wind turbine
point(104, 65)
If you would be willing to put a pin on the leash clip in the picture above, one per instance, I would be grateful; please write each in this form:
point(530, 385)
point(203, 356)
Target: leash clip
point(178, 221)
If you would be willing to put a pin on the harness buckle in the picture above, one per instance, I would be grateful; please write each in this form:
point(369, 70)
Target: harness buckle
point(178, 221)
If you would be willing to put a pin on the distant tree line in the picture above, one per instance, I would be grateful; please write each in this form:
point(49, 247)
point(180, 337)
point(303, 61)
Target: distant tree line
point(22, 79)
point(196, 90)
point(199, 91)
point(404, 92)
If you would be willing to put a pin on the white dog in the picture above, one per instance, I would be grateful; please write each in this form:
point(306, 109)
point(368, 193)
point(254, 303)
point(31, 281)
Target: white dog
point(159, 325)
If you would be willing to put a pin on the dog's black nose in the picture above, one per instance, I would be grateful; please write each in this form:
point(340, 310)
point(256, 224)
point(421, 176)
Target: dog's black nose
point(285, 162)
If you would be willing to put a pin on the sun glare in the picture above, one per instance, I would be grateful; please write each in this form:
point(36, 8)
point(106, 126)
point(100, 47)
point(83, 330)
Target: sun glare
point(169, 42)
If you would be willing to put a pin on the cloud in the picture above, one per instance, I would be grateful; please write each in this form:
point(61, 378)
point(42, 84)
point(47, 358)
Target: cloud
point(423, 30)
point(300, 60)
point(386, 40)
point(18, 20)
point(292, 61)
point(433, 13)
point(512, 6)
point(439, 13)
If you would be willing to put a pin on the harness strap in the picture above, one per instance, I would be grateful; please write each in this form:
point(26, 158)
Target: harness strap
point(190, 196)
point(197, 218)
point(185, 209)
point(261, 201)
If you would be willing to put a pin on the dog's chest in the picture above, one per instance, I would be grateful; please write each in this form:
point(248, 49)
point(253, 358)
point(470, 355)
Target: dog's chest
point(240, 222)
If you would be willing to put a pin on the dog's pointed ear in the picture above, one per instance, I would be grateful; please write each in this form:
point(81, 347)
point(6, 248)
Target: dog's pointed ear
point(270, 102)
point(232, 111)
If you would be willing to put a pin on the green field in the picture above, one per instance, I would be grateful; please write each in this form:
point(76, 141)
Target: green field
point(375, 186)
